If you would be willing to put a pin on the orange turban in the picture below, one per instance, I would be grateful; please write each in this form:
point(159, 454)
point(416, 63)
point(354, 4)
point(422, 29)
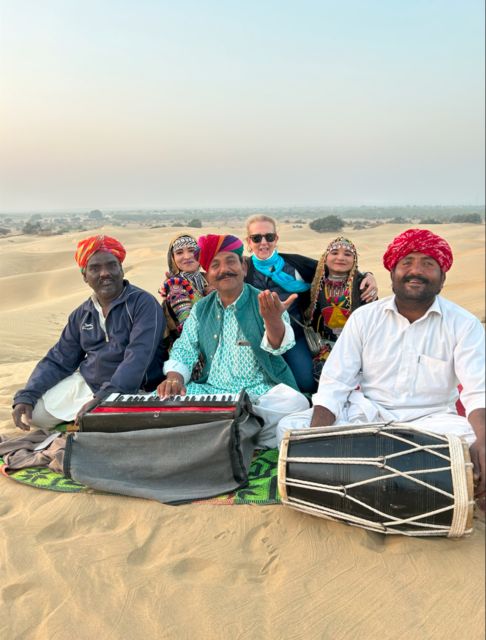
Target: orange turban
point(86, 248)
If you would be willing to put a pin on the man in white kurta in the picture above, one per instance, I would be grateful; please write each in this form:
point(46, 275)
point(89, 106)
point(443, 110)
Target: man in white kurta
point(401, 358)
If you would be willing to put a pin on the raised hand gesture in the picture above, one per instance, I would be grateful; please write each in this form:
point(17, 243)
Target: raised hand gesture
point(270, 305)
point(271, 309)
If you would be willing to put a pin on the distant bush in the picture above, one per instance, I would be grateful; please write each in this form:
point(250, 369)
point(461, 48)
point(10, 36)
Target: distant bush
point(430, 221)
point(399, 220)
point(196, 223)
point(4, 231)
point(473, 218)
point(178, 224)
point(32, 228)
point(329, 223)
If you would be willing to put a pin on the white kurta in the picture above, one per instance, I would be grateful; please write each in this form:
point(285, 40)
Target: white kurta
point(406, 372)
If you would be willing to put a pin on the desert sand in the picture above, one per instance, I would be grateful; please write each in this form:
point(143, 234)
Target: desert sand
point(87, 566)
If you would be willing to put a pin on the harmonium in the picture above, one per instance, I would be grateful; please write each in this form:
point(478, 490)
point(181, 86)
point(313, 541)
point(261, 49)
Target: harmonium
point(131, 412)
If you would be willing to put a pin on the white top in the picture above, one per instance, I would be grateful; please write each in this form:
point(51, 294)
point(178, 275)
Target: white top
point(410, 369)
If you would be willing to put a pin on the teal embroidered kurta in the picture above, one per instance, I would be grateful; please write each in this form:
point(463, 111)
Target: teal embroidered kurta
point(235, 358)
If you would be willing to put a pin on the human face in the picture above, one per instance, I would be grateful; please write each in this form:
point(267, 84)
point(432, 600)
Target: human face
point(265, 248)
point(417, 278)
point(104, 274)
point(226, 274)
point(340, 261)
point(185, 260)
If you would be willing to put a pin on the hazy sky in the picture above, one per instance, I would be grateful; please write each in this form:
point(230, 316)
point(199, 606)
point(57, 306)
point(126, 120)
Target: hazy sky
point(157, 103)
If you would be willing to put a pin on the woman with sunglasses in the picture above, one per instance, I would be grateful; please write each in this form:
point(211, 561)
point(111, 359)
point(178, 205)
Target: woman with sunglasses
point(287, 273)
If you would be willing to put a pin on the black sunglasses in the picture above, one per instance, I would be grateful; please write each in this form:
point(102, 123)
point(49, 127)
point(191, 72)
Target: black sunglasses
point(258, 237)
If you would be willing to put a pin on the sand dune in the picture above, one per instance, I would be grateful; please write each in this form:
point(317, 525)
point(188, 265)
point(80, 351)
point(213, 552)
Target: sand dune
point(84, 566)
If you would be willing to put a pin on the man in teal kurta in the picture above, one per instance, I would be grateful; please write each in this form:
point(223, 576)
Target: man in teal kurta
point(241, 333)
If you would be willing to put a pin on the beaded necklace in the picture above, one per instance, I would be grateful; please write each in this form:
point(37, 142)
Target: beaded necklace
point(336, 288)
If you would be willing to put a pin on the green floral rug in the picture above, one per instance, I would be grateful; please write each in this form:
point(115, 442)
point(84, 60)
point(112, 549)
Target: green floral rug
point(261, 489)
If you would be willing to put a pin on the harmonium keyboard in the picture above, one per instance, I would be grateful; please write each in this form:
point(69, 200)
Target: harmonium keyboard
point(125, 412)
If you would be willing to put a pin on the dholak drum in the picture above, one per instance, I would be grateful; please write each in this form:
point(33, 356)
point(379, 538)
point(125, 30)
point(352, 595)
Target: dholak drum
point(389, 478)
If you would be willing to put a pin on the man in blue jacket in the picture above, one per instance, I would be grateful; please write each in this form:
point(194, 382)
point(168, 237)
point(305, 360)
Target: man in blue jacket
point(111, 343)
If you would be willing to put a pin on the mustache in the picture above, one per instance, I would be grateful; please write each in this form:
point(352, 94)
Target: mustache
point(419, 278)
point(227, 274)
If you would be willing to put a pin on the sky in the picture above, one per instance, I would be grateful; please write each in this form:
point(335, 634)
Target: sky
point(120, 104)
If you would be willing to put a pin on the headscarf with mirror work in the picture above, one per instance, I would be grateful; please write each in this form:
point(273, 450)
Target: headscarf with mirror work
point(322, 272)
point(194, 277)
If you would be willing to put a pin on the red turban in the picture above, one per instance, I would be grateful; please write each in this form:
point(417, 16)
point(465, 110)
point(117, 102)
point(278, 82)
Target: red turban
point(418, 241)
point(86, 248)
point(212, 244)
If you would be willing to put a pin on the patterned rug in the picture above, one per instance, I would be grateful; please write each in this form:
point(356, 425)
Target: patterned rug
point(261, 489)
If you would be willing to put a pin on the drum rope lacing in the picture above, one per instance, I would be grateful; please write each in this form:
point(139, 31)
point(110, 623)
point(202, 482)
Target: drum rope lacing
point(459, 482)
point(460, 500)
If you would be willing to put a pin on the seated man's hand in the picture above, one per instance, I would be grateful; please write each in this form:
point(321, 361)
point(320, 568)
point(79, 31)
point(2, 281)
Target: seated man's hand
point(270, 305)
point(22, 416)
point(477, 450)
point(369, 288)
point(478, 455)
point(173, 385)
point(322, 417)
point(85, 408)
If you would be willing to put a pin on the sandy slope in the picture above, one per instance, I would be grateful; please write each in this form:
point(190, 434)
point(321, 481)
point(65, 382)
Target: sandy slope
point(86, 566)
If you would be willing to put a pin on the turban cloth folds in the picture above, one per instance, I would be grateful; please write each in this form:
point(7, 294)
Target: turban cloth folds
point(418, 241)
point(212, 244)
point(89, 246)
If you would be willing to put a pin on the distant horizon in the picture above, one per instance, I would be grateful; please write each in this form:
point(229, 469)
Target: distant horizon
point(166, 209)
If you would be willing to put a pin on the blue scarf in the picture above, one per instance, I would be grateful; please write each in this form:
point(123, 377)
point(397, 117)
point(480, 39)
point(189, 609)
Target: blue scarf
point(272, 267)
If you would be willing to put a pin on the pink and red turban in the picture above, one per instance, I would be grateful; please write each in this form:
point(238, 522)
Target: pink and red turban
point(86, 248)
point(210, 245)
point(418, 241)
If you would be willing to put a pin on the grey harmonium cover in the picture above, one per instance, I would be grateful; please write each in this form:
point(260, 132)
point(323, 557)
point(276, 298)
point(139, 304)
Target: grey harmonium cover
point(170, 464)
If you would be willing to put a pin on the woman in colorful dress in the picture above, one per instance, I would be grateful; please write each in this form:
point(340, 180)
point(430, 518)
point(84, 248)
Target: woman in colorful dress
point(184, 284)
point(287, 273)
point(335, 293)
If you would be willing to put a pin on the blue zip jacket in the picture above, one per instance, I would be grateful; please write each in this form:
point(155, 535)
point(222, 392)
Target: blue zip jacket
point(128, 357)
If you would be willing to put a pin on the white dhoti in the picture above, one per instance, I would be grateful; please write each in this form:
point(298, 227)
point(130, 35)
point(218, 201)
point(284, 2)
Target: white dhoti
point(361, 410)
point(61, 402)
point(272, 406)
